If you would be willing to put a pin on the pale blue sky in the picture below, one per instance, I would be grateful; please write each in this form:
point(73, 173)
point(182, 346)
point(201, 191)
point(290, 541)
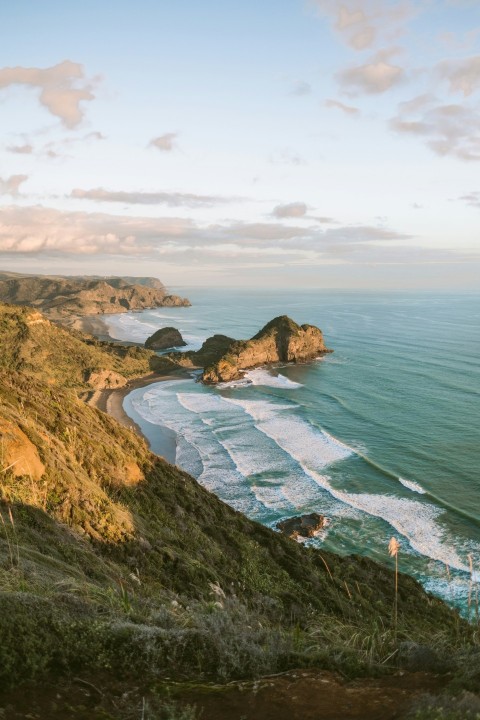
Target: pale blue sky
point(297, 142)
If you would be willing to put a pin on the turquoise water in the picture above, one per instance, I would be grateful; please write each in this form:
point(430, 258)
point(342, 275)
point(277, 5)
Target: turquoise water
point(383, 436)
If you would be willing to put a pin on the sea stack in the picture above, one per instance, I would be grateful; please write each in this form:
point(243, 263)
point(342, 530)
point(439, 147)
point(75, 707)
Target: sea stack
point(281, 340)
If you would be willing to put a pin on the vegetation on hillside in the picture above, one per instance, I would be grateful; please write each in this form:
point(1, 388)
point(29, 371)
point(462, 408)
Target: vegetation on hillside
point(114, 561)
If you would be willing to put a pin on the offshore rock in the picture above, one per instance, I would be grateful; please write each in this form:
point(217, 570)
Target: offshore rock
point(281, 340)
point(167, 337)
point(306, 526)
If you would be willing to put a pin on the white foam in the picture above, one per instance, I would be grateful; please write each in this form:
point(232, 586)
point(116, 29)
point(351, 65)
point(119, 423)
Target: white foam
point(219, 445)
point(314, 450)
point(201, 402)
point(412, 485)
point(265, 378)
point(128, 327)
point(298, 438)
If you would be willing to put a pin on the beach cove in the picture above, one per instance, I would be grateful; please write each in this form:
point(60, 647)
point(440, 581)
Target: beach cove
point(348, 436)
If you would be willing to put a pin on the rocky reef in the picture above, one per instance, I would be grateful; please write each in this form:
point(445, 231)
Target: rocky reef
point(306, 526)
point(281, 340)
point(60, 297)
point(164, 338)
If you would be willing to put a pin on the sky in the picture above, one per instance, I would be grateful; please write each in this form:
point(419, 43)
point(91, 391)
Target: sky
point(282, 143)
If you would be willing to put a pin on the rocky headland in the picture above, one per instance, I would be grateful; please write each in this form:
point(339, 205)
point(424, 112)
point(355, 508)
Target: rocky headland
point(63, 297)
point(281, 340)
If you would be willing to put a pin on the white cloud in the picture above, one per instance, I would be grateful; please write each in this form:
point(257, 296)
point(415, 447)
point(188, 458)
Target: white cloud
point(46, 233)
point(165, 143)
point(363, 24)
point(148, 198)
point(25, 149)
point(290, 210)
point(447, 129)
point(462, 75)
point(347, 109)
point(376, 76)
point(471, 199)
point(63, 88)
point(11, 185)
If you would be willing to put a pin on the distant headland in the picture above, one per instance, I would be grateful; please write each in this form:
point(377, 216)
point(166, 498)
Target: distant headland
point(61, 297)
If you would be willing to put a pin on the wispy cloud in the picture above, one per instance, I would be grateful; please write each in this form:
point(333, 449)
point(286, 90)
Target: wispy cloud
point(61, 148)
point(471, 199)
point(45, 232)
point(63, 88)
point(11, 185)
point(447, 129)
point(462, 75)
point(374, 77)
point(363, 24)
point(290, 210)
point(25, 149)
point(164, 143)
point(148, 198)
point(299, 88)
point(347, 109)
point(286, 157)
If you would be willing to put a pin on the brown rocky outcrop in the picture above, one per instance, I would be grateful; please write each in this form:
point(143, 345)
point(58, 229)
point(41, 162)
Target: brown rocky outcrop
point(106, 380)
point(306, 526)
point(18, 453)
point(281, 340)
point(164, 338)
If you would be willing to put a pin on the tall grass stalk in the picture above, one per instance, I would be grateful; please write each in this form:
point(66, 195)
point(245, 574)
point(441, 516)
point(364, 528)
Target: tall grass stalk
point(393, 548)
point(10, 515)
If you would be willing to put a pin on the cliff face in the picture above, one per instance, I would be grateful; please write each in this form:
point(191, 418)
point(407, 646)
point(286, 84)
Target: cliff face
point(281, 340)
point(63, 296)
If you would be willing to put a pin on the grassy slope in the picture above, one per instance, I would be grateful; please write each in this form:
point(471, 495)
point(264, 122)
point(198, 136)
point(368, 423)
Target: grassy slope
point(33, 345)
point(115, 560)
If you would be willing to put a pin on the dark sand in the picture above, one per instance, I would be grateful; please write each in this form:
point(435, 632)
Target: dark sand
point(90, 324)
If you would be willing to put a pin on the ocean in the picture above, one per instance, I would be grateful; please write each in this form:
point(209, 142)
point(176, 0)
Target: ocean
point(382, 437)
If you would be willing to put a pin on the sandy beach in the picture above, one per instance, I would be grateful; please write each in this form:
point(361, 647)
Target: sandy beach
point(160, 439)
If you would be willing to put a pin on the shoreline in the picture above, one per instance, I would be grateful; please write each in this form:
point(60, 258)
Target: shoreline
point(111, 403)
point(162, 440)
point(94, 325)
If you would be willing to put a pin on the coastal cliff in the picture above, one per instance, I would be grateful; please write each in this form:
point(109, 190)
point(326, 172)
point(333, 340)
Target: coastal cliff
point(60, 297)
point(281, 340)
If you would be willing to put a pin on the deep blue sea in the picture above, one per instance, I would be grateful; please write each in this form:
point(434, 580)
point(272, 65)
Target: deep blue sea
point(382, 437)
